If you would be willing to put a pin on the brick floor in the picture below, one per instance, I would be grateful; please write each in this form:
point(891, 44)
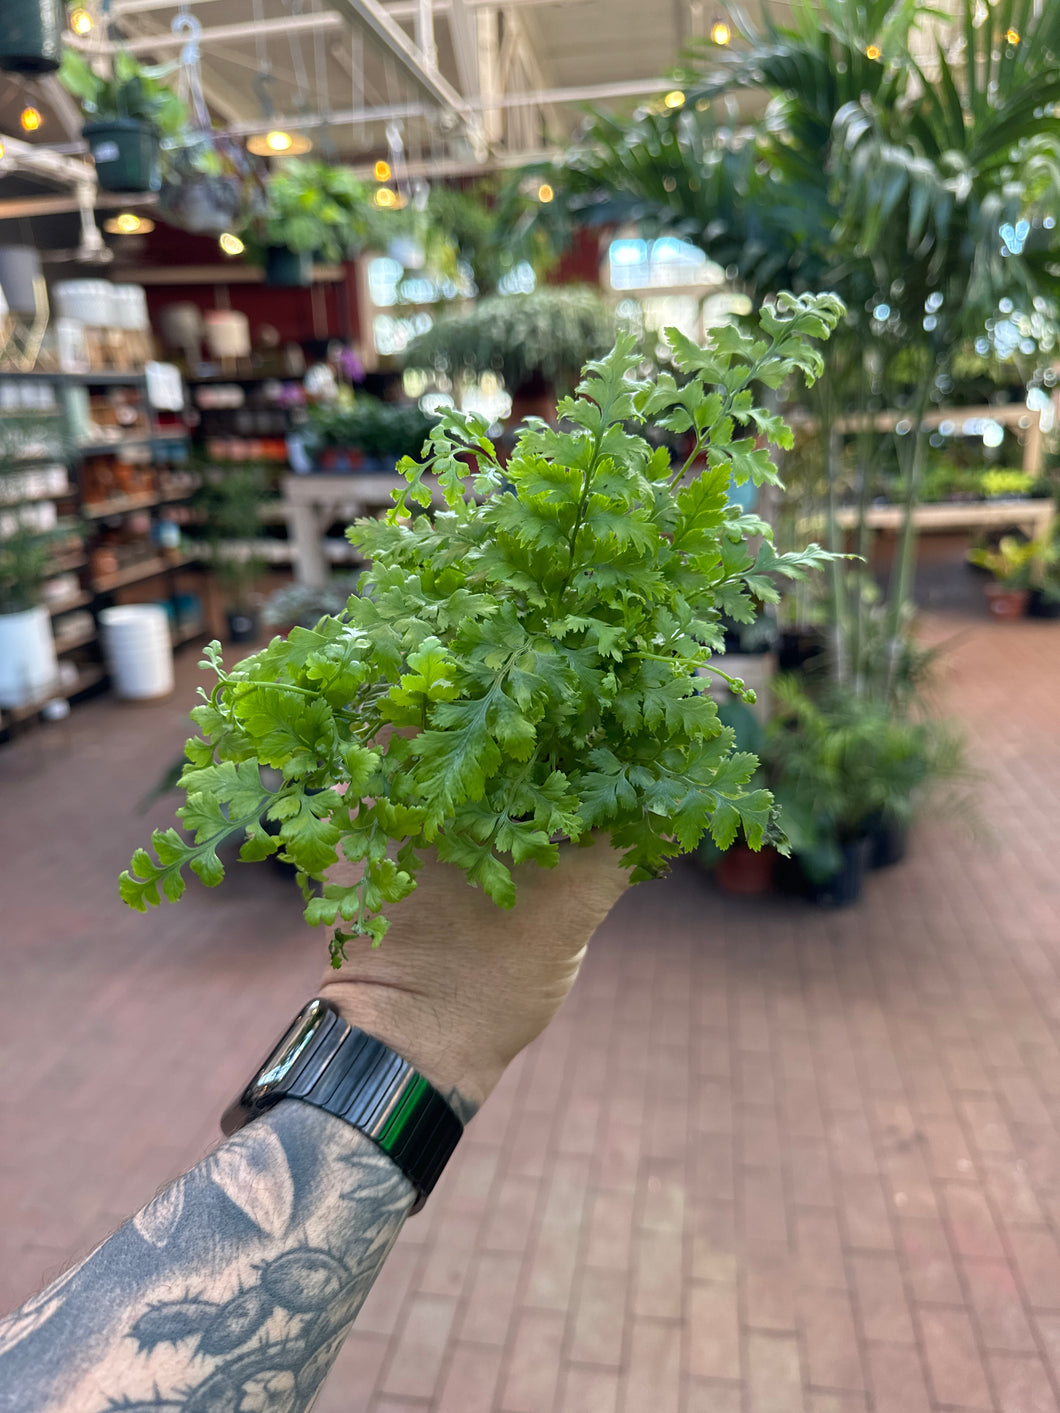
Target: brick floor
point(768, 1160)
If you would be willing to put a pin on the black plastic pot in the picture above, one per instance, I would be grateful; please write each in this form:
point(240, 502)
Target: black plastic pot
point(1038, 606)
point(126, 154)
point(288, 268)
point(242, 625)
point(31, 35)
point(844, 887)
point(795, 650)
point(889, 838)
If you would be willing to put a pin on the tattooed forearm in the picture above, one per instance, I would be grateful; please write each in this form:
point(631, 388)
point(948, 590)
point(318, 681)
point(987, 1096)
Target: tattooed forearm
point(233, 1289)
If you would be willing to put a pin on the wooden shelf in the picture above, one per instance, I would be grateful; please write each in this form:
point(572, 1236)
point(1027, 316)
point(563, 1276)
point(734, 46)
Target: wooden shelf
point(37, 375)
point(953, 515)
point(120, 444)
point(179, 636)
point(69, 641)
point(80, 600)
point(142, 569)
point(89, 675)
point(122, 505)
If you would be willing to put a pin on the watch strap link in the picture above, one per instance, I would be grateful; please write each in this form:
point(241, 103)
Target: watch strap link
point(325, 1061)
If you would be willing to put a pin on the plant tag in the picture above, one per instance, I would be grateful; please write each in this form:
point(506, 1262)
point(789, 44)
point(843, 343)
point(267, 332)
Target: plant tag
point(105, 152)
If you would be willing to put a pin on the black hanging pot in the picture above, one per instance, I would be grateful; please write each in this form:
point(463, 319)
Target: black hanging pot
point(242, 625)
point(126, 153)
point(889, 838)
point(1042, 605)
point(288, 268)
point(202, 203)
point(31, 35)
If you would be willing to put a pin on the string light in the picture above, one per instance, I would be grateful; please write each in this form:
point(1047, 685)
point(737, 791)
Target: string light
point(128, 223)
point(674, 99)
point(2, 151)
point(81, 21)
point(278, 143)
point(545, 193)
point(1013, 36)
point(720, 33)
point(873, 52)
point(385, 198)
point(381, 171)
point(30, 118)
point(230, 244)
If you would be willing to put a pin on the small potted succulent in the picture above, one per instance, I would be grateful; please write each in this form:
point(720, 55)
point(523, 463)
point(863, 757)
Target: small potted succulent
point(1010, 566)
point(129, 114)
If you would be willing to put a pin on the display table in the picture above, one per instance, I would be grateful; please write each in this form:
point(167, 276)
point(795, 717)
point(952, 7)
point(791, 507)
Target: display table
point(313, 502)
point(1031, 516)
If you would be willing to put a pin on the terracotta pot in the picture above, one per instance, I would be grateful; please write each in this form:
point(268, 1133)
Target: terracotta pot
point(742, 871)
point(1006, 603)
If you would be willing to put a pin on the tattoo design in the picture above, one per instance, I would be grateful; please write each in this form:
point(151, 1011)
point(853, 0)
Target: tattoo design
point(231, 1292)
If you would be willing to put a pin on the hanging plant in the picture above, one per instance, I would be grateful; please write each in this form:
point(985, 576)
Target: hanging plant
point(129, 114)
point(31, 35)
point(209, 186)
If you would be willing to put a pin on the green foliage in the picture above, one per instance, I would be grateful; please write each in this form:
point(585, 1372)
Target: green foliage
point(25, 438)
point(1011, 563)
point(132, 91)
point(547, 334)
point(320, 209)
point(521, 666)
point(230, 500)
point(841, 762)
point(370, 426)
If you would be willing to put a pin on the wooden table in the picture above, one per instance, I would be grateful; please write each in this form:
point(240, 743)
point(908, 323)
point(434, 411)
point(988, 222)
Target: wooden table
point(313, 502)
point(1031, 516)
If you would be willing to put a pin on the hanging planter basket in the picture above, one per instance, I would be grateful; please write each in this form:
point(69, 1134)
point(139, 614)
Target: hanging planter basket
point(31, 35)
point(288, 268)
point(203, 204)
point(126, 153)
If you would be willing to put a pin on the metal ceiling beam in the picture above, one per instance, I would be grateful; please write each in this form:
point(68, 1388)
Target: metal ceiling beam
point(370, 15)
point(219, 34)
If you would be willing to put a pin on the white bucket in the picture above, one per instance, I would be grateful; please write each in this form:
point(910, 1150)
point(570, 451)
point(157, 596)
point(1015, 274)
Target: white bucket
point(138, 650)
point(227, 333)
point(28, 667)
point(89, 301)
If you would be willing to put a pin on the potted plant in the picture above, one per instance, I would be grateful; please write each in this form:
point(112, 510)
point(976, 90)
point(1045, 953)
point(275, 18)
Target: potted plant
point(535, 644)
point(1010, 565)
point(740, 869)
point(230, 501)
point(129, 115)
point(311, 209)
point(535, 342)
point(31, 35)
point(28, 668)
point(302, 605)
point(377, 433)
point(210, 185)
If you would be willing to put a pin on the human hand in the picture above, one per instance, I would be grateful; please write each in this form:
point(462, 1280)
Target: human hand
point(459, 986)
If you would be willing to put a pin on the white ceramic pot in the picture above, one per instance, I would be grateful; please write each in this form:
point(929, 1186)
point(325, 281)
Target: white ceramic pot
point(89, 301)
point(28, 666)
point(130, 307)
point(139, 653)
point(227, 333)
point(19, 268)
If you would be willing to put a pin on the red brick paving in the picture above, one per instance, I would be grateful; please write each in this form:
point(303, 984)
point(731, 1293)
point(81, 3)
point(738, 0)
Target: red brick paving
point(769, 1159)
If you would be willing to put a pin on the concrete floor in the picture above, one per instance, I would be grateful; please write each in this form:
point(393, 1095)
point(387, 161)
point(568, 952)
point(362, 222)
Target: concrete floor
point(769, 1159)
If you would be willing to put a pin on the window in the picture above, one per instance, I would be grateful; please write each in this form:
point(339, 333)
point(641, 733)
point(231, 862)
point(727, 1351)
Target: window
point(665, 263)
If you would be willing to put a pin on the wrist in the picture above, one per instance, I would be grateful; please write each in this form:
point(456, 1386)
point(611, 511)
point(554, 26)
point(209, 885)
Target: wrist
point(410, 1024)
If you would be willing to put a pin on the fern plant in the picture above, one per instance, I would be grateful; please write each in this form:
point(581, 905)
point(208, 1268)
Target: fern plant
point(521, 666)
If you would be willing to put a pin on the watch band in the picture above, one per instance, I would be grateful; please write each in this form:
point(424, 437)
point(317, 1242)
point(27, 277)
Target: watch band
point(323, 1060)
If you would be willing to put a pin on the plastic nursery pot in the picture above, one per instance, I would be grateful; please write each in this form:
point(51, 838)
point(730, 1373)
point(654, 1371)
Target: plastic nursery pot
point(242, 625)
point(31, 35)
point(889, 839)
point(744, 872)
point(844, 887)
point(286, 268)
point(1041, 606)
point(796, 649)
point(126, 154)
point(1006, 603)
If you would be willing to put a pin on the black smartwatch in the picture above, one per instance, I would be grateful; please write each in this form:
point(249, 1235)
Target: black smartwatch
point(323, 1060)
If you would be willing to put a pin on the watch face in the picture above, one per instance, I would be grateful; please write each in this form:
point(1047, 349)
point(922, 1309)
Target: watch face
point(270, 1081)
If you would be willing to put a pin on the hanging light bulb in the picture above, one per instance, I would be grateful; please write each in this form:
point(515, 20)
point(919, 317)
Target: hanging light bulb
point(385, 198)
point(2, 151)
point(674, 99)
point(279, 143)
point(873, 52)
point(720, 33)
point(545, 193)
point(128, 223)
point(230, 244)
point(1013, 36)
point(381, 171)
point(30, 118)
point(81, 21)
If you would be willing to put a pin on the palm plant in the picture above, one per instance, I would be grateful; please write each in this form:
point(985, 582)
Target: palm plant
point(919, 189)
